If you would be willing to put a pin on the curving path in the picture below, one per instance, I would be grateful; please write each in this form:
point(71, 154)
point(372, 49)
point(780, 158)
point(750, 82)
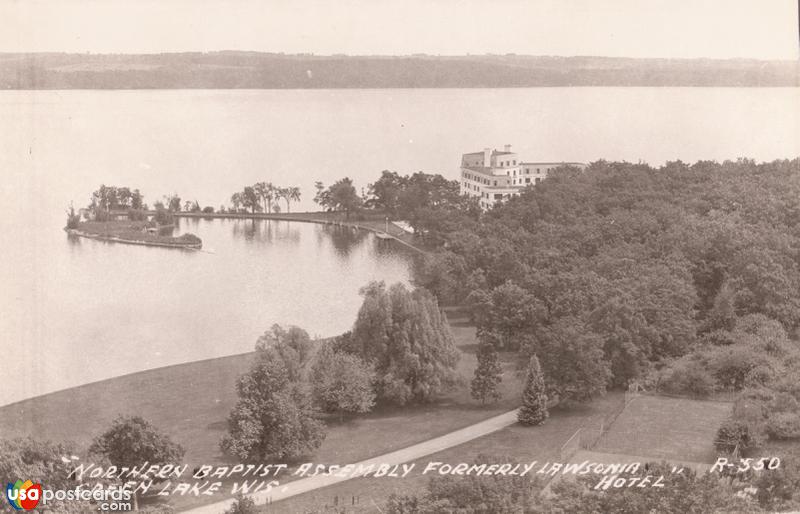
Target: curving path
point(408, 454)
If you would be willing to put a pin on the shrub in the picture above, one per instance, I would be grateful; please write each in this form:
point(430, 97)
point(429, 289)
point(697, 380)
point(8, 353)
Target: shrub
point(732, 365)
point(208, 209)
point(734, 432)
point(137, 215)
point(243, 505)
point(102, 215)
point(784, 425)
point(687, 378)
point(73, 219)
point(759, 375)
point(189, 239)
point(784, 402)
point(163, 216)
point(750, 410)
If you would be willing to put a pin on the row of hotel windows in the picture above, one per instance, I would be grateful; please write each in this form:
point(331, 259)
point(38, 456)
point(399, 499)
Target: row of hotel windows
point(514, 183)
point(483, 181)
point(500, 164)
point(538, 170)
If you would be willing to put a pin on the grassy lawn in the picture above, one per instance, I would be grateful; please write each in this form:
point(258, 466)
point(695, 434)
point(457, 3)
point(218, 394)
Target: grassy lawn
point(191, 403)
point(667, 428)
point(517, 443)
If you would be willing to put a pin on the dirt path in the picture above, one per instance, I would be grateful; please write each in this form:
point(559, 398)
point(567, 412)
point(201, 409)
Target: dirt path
point(408, 454)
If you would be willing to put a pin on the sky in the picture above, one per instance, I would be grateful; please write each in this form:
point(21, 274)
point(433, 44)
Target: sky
point(761, 29)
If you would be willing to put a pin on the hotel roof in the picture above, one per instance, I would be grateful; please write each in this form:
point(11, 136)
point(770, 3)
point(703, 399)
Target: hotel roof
point(494, 152)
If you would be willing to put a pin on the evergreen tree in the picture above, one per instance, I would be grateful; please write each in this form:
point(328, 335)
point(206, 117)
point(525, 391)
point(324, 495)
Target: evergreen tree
point(534, 399)
point(487, 374)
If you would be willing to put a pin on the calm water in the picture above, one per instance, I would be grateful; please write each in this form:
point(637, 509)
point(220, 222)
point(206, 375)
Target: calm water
point(77, 311)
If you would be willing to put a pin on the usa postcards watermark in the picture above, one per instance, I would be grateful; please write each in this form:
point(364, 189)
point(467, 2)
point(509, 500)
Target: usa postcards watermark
point(27, 495)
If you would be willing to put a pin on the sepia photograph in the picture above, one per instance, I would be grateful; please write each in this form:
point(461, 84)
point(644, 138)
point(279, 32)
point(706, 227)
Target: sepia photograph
point(400, 256)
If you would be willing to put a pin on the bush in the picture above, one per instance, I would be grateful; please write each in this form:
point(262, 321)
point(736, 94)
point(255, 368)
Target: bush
point(784, 402)
point(73, 219)
point(137, 215)
point(208, 210)
point(784, 425)
point(734, 432)
point(732, 365)
point(243, 505)
point(102, 215)
point(687, 378)
point(759, 375)
point(189, 239)
point(163, 216)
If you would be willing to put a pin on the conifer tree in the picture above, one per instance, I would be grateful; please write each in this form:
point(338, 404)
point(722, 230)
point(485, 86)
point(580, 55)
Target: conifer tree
point(534, 399)
point(487, 374)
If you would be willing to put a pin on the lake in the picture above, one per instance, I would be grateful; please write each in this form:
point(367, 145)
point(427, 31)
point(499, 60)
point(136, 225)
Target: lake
point(75, 311)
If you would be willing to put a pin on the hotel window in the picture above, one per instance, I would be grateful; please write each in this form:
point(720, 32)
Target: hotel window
point(527, 180)
point(538, 180)
point(515, 162)
point(495, 182)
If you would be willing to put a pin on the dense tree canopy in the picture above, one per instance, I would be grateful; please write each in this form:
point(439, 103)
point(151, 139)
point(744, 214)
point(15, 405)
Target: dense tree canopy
point(48, 464)
point(341, 196)
point(622, 270)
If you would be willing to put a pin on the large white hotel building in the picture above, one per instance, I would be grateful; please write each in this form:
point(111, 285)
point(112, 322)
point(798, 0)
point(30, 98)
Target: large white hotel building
point(494, 176)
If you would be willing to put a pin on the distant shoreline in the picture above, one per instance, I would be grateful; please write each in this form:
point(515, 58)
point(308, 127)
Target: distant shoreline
point(264, 71)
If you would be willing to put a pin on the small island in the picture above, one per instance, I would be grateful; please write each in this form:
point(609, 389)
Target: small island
point(123, 218)
point(133, 232)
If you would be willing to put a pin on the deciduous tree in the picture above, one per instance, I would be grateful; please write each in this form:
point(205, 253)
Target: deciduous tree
point(341, 382)
point(273, 418)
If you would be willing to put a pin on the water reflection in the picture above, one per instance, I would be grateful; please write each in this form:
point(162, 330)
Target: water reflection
point(72, 298)
point(343, 239)
point(266, 231)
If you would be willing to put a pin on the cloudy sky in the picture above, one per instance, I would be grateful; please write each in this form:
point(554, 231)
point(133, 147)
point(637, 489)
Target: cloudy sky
point(638, 28)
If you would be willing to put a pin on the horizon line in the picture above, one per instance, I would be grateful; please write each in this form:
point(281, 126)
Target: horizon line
point(411, 55)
